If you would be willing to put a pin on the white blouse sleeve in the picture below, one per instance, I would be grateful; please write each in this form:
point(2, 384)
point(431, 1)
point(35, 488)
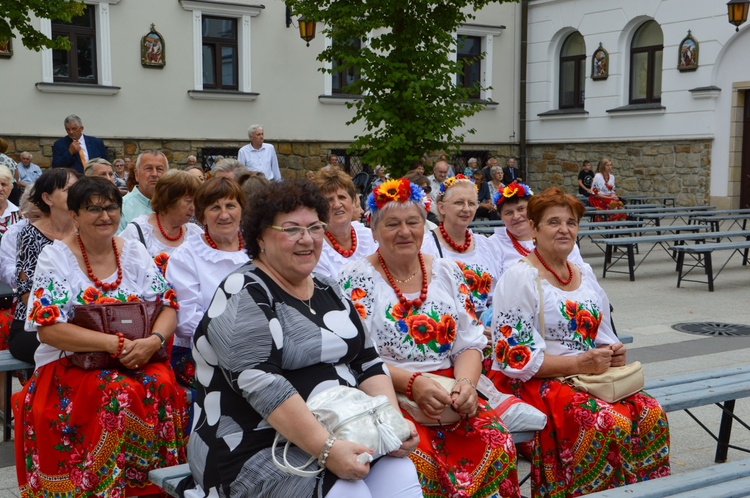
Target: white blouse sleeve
point(597, 185)
point(182, 273)
point(518, 347)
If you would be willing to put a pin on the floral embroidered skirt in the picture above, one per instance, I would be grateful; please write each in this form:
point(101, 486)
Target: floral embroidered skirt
point(604, 204)
point(97, 432)
point(6, 319)
point(473, 458)
point(590, 445)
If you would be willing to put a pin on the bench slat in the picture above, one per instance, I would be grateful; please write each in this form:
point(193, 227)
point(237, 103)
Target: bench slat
point(676, 485)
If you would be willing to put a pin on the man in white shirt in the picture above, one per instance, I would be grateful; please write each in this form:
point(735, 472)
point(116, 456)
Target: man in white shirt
point(438, 176)
point(259, 156)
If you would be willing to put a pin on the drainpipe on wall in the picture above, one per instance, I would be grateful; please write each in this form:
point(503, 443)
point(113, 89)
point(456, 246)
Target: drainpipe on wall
point(522, 91)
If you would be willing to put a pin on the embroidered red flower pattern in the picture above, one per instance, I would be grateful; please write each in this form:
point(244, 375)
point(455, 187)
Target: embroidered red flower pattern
point(421, 328)
point(518, 357)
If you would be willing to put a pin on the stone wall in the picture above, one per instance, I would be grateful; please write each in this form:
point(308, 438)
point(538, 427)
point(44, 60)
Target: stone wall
point(294, 157)
point(677, 168)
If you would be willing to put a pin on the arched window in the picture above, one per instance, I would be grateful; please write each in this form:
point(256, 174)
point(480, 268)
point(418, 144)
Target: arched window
point(646, 54)
point(572, 72)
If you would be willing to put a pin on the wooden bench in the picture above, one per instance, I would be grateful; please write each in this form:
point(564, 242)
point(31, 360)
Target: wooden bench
point(629, 244)
point(169, 478)
point(738, 217)
point(717, 481)
point(722, 387)
point(702, 259)
point(683, 392)
point(9, 365)
point(639, 230)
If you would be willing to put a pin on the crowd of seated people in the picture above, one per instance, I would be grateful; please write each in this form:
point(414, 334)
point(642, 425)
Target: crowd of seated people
point(249, 274)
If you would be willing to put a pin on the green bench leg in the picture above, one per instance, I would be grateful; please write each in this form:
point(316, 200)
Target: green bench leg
point(631, 262)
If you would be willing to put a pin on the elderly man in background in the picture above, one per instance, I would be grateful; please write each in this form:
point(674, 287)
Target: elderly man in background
point(511, 173)
point(191, 161)
point(149, 167)
point(26, 171)
point(259, 156)
point(75, 150)
point(438, 176)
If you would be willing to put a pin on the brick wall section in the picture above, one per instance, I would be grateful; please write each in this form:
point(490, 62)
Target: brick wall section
point(676, 168)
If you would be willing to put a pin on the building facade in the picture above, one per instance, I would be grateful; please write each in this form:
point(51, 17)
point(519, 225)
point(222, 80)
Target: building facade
point(211, 69)
point(657, 85)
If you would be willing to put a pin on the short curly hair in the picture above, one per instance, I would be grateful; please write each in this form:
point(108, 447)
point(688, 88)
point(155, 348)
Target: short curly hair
point(278, 198)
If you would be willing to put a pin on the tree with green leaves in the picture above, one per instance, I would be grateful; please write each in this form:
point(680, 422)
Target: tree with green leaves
point(15, 15)
point(411, 103)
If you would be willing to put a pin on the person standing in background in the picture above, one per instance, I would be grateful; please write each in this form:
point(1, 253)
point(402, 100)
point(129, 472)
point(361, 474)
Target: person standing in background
point(259, 156)
point(75, 150)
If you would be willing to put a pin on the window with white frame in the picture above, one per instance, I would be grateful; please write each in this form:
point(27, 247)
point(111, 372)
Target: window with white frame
point(221, 49)
point(646, 53)
point(471, 41)
point(572, 72)
point(87, 67)
point(341, 78)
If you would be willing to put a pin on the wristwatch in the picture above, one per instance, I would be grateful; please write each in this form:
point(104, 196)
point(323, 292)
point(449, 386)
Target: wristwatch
point(161, 338)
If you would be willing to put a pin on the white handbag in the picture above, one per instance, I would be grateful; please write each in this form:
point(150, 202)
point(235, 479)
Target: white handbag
point(351, 415)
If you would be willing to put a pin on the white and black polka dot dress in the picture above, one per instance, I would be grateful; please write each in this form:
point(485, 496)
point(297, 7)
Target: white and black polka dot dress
point(256, 347)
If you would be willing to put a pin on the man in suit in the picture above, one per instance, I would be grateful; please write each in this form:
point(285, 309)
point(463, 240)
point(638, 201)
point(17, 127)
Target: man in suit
point(76, 149)
point(511, 173)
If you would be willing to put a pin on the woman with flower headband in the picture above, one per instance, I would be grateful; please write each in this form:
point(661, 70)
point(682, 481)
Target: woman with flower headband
point(345, 240)
point(198, 266)
point(457, 203)
point(550, 320)
point(420, 314)
point(603, 191)
point(96, 432)
point(514, 241)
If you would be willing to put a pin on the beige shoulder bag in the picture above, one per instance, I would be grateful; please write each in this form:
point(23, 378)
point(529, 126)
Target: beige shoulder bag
point(616, 384)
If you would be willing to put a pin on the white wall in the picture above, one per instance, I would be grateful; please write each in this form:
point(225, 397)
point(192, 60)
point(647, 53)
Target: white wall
point(155, 103)
point(722, 61)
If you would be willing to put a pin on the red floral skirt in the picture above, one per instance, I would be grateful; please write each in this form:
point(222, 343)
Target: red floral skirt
point(6, 319)
point(473, 458)
point(589, 445)
point(97, 432)
point(606, 204)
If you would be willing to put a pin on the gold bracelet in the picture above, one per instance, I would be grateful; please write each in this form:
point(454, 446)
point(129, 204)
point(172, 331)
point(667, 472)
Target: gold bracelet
point(467, 380)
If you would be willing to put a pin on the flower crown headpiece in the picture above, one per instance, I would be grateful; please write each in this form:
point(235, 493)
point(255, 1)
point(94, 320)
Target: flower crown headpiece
point(449, 182)
point(401, 190)
point(514, 189)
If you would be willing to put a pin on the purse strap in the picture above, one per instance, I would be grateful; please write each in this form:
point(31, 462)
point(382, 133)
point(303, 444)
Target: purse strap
point(541, 298)
point(288, 467)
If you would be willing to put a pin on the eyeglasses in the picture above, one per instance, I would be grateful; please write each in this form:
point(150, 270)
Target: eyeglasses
point(316, 231)
point(97, 210)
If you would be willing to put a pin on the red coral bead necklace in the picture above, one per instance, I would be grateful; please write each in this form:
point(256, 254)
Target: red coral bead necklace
point(336, 247)
point(406, 303)
point(164, 234)
point(213, 245)
point(454, 245)
point(106, 287)
point(553, 272)
point(517, 245)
